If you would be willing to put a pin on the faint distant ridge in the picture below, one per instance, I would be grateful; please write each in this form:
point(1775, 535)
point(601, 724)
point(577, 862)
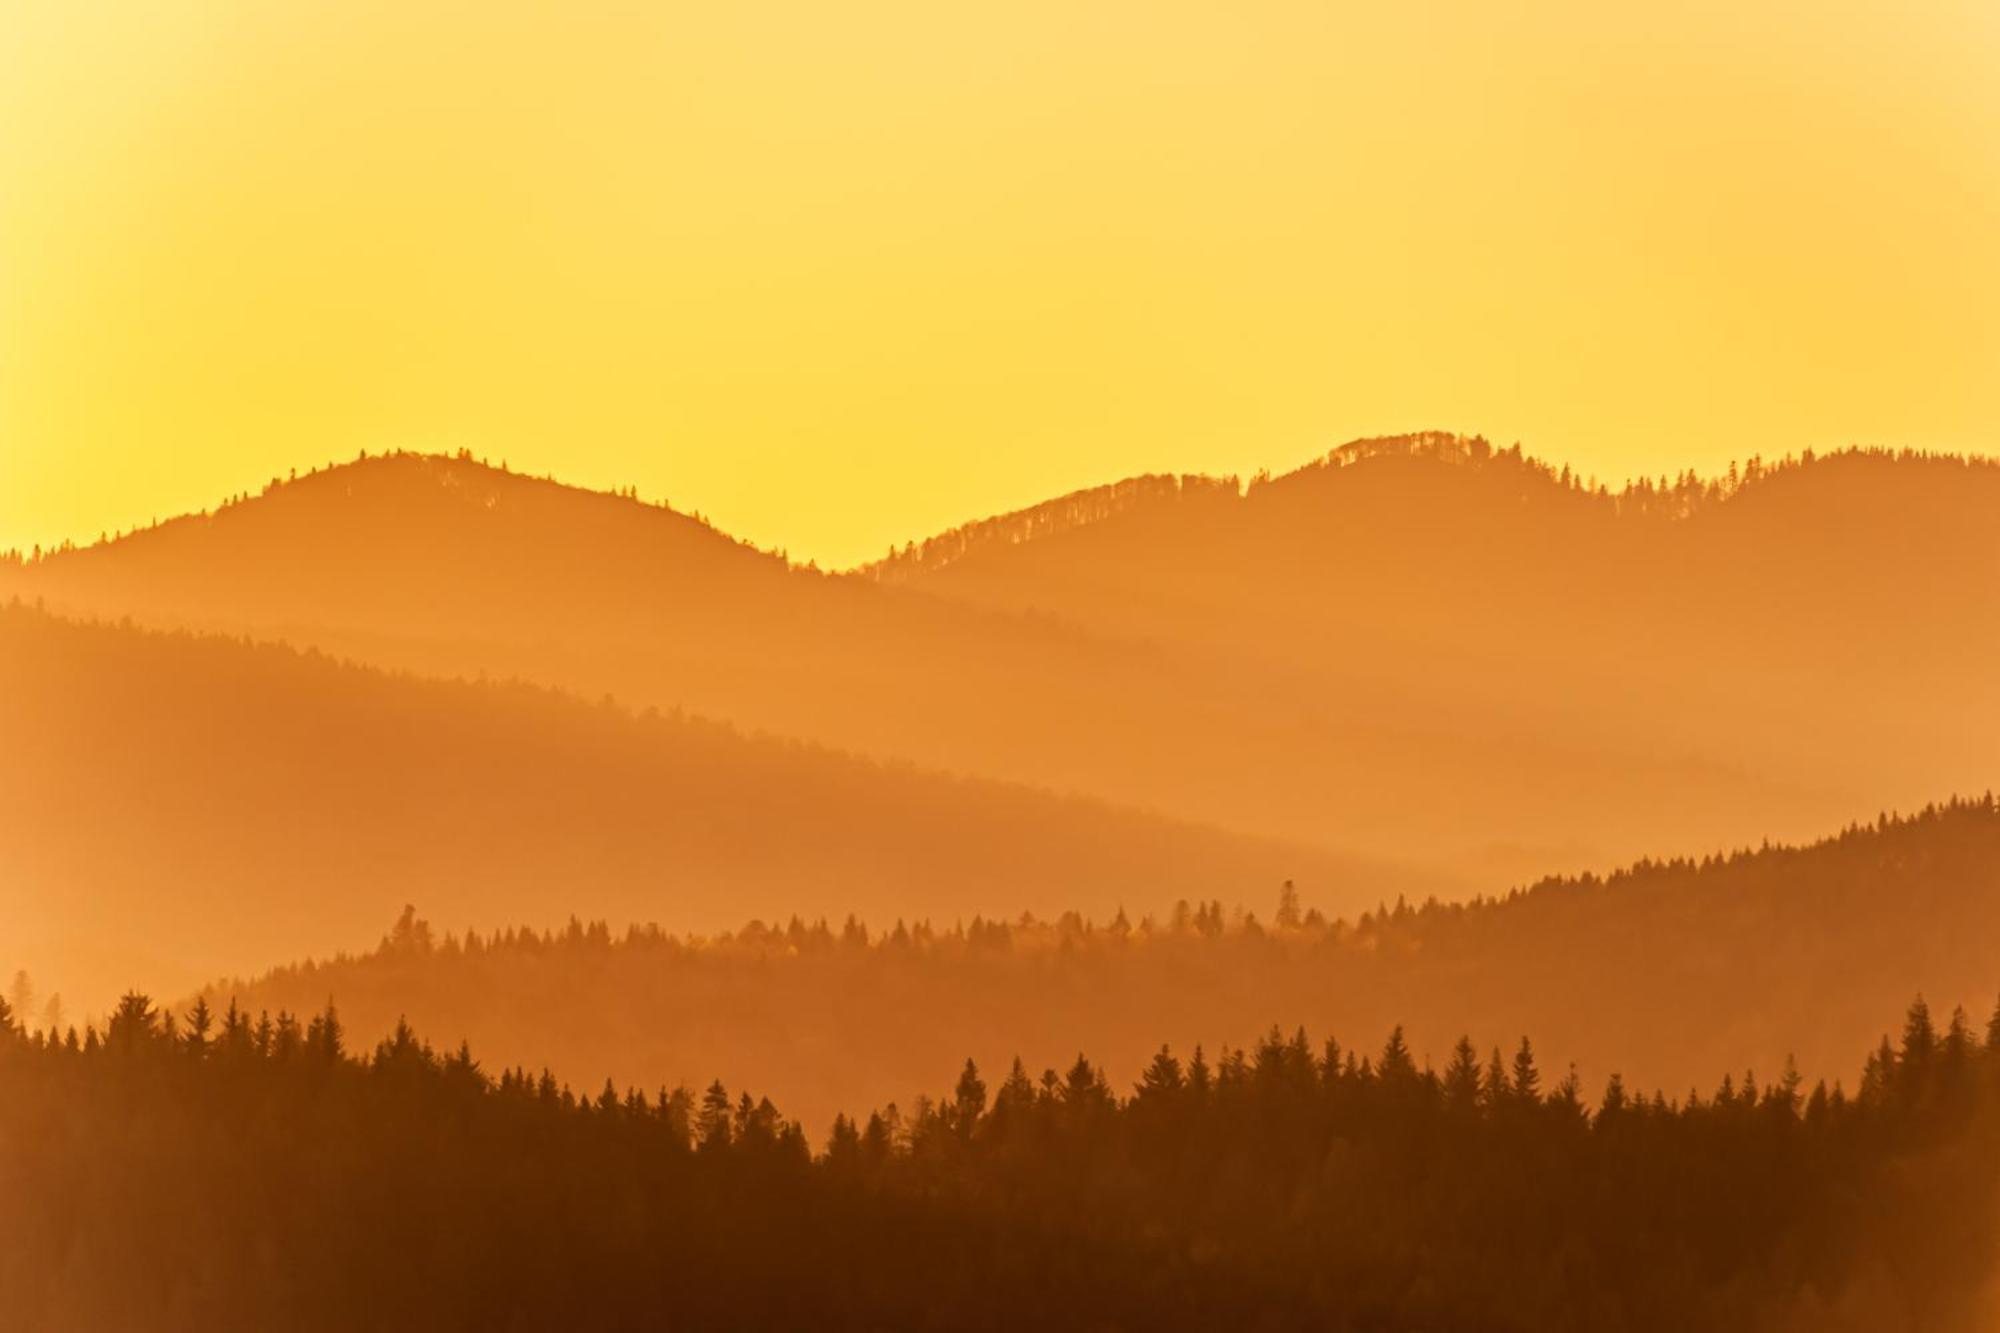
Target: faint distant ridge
point(1949, 839)
point(1420, 647)
point(477, 482)
point(1670, 497)
point(147, 773)
point(1049, 518)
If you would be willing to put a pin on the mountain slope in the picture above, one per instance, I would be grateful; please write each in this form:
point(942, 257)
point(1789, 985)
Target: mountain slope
point(172, 807)
point(1393, 550)
point(1824, 626)
point(1424, 650)
point(448, 566)
point(1666, 972)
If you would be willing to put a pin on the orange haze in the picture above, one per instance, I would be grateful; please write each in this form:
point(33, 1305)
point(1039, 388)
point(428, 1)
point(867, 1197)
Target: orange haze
point(1421, 665)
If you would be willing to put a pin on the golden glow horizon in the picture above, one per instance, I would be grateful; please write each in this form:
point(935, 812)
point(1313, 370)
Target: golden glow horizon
point(840, 279)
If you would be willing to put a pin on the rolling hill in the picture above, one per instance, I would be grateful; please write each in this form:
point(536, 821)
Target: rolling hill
point(1817, 615)
point(175, 806)
point(1668, 972)
point(1422, 650)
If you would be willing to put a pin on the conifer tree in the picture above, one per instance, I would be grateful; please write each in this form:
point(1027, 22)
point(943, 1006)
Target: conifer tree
point(1162, 1079)
point(712, 1128)
point(968, 1101)
point(1461, 1078)
point(1527, 1080)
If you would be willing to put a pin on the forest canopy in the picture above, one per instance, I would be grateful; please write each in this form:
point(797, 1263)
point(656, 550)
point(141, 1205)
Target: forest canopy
point(1665, 970)
point(202, 1171)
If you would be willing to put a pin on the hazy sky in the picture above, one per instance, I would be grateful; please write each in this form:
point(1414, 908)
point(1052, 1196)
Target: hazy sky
point(841, 274)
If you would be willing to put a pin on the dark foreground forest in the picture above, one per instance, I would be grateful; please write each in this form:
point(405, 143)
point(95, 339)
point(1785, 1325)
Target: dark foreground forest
point(224, 1173)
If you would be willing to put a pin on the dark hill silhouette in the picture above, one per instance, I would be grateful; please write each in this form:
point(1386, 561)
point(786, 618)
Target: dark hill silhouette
point(174, 806)
point(1423, 649)
point(1666, 972)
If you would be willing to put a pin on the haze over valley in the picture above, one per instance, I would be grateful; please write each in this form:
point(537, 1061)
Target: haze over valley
point(1424, 666)
point(1296, 667)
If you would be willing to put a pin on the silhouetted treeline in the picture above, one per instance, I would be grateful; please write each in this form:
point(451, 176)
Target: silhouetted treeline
point(223, 1172)
point(1668, 970)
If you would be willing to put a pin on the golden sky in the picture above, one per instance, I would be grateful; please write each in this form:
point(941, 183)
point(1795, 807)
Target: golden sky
point(842, 274)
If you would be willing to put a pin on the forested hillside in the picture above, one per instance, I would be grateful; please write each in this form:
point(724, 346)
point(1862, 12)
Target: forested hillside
point(1424, 650)
point(223, 1171)
point(176, 807)
point(1666, 971)
point(1816, 622)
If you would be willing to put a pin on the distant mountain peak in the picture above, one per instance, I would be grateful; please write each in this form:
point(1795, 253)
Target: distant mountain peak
point(418, 497)
point(464, 478)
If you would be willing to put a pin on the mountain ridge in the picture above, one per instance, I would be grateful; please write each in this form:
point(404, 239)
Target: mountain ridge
point(1429, 649)
point(1678, 496)
point(1669, 969)
point(214, 798)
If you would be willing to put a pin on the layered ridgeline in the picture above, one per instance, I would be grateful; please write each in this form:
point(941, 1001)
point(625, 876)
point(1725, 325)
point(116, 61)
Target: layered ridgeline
point(222, 1172)
point(1423, 649)
point(1667, 972)
point(1819, 624)
point(175, 807)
